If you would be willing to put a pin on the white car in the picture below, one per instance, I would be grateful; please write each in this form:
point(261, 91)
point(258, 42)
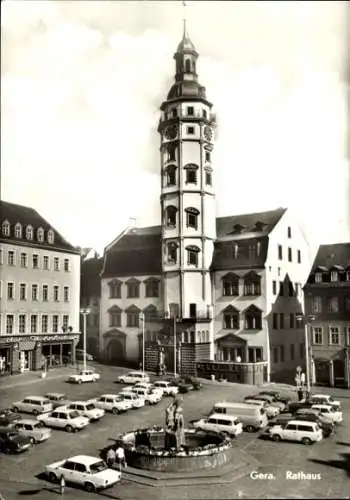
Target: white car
point(32, 429)
point(33, 404)
point(62, 418)
point(325, 399)
point(336, 416)
point(152, 387)
point(271, 411)
point(216, 422)
point(113, 403)
point(148, 395)
point(87, 409)
point(133, 398)
point(90, 472)
point(133, 378)
point(167, 388)
point(297, 430)
point(84, 376)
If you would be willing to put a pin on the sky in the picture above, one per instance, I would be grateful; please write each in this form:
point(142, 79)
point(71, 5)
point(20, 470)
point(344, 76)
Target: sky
point(82, 82)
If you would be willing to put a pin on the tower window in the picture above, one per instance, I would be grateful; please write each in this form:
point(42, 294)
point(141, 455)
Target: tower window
point(171, 152)
point(174, 112)
point(204, 113)
point(172, 253)
point(190, 130)
point(190, 110)
point(192, 217)
point(289, 232)
point(170, 217)
point(192, 255)
point(207, 156)
point(171, 175)
point(188, 66)
point(208, 178)
point(191, 173)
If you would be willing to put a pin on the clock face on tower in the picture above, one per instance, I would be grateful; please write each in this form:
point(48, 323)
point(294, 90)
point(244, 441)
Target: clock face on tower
point(208, 133)
point(171, 132)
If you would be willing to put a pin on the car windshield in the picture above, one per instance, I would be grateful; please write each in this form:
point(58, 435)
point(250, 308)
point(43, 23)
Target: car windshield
point(90, 406)
point(99, 466)
point(74, 414)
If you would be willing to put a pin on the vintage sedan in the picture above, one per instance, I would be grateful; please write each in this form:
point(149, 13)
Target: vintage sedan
point(84, 376)
point(325, 399)
point(336, 416)
point(8, 417)
point(150, 397)
point(33, 429)
point(269, 399)
point(113, 403)
point(270, 410)
point(134, 399)
point(11, 441)
point(133, 378)
point(167, 387)
point(89, 472)
point(62, 418)
point(57, 399)
point(33, 404)
point(87, 409)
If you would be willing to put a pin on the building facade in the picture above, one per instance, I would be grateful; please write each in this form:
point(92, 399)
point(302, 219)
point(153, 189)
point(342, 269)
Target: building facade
point(208, 288)
point(327, 306)
point(39, 292)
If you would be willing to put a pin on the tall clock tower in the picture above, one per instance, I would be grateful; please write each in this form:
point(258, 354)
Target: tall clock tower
point(188, 217)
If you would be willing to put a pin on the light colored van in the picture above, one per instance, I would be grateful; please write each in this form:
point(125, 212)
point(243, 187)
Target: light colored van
point(220, 423)
point(33, 404)
point(252, 417)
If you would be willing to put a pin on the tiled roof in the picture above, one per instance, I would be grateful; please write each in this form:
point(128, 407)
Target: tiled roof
point(138, 252)
point(330, 256)
point(26, 216)
point(90, 285)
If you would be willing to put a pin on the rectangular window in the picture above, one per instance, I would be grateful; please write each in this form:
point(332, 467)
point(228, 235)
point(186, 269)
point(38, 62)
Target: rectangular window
point(133, 290)
point(333, 305)
point(10, 258)
point(171, 152)
point(191, 220)
point(66, 293)
point(275, 355)
point(174, 111)
point(334, 276)
point(280, 252)
point(317, 334)
point(22, 291)
point(207, 156)
point(291, 320)
point(35, 258)
point(33, 323)
point(55, 323)
point(190, 130)
point(208, 178)
point(115, 290)
point(9, 323)
point(282, 353)
point(35, 292)
point(45, 293)
point(316, 304)
point(65, 322)
point(44, 323)
point(115, 319)
point(56, 264)
point(281, 289)
point(334, 337)
point(190, 110)
point(292, 352)
point(132, 319)
point(282, 321)
point(10, 291)
point(24, 259)
point(56, 293)
point(1, 256)
point(274, 287)
point(22, 323)
point(46, 263)
point(192, 258)
point(289, 232)
point(152, 289)
point(299, 257)
point(66, 265)
point(289, 254)
point(191, 176)
point(204, 113)
point(274, 321)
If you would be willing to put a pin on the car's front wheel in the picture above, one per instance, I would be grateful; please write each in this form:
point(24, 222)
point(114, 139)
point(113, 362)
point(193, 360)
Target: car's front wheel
point(115, 411)
point(276, 437)
point(35, 412)
point(121, 381)
point(69, 428)
point(306, 441)
point(89, 487)
point(79, 381)
point(15, 409)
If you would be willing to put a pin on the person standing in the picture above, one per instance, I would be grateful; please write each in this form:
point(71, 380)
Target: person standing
point(111, 457)
point(62, 485)
point(120, 456)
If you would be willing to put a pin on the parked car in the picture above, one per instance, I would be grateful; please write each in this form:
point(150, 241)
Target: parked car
point(148, 395)
point(113, 403)
point(11, 441)
point(313, 415)
point(228, 424)
point(33, 404)
point(133, 378)
point(89, 472)
point(132, 398)
point(84, 376)
point(62, 418)
point(335, 415)
point(57, 399)
point(167, 387)
point(252, 417)
point(185, 385)
point(87, 409)
point(294, 406)
point(279, 396)
point(149, 386)
point(326, 399)
point(269, 399)
point(297, 430)
point(79, 355)
point(271, 411)
point(33, 429)
point(8, 417)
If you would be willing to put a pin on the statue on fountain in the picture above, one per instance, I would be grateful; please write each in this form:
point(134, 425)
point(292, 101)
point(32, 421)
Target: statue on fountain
point(174, 425)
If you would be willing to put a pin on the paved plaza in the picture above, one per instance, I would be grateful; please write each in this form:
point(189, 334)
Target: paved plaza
point(266, 463)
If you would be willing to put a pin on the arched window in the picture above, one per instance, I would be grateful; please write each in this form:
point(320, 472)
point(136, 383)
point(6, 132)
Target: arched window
point(253, 320)
point(191, 173)
point(18, 230)
point(230, 283)
point(231, 318)
point(252, 284)
point(150, 313)
point(170, 216)
point(50, 236)
point(133, 316)
point(172, 252)
point(29, 232)
point(188, 66)
point(115, 316)
point(192, 217)
point(192, 255)
point(6, 228)
point(170, 174)
point(40, 234)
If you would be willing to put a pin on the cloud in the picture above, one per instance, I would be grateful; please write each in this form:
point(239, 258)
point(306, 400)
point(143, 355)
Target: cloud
point(82, 83)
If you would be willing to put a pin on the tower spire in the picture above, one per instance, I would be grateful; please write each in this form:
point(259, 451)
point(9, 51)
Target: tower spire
point(184, 21)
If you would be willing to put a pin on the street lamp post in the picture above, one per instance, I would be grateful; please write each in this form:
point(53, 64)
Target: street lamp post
point(85, 312)
point(142, 319)
point(175, 346)
point(300, 317)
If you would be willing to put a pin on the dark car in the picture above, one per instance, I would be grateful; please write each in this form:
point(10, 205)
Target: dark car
point(283, 398)
point(186, 384)
point(294, 406)
point(8, 417)
point(11, 441)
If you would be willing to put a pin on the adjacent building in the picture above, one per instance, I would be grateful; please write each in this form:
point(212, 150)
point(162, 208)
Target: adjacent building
point(39, 292)
point(327, 306)
point(224, 289)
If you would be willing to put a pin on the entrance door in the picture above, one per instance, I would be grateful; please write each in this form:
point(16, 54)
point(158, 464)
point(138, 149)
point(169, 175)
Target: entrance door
point(25, 361)
point(339, 373)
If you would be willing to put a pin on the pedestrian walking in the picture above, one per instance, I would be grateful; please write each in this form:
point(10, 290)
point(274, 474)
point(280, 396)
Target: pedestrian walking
point(120, 456)
point(111, 457)
point(62, 485)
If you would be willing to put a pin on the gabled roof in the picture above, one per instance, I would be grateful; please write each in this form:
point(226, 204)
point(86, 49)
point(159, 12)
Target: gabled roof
point(330, 256)
point(26, 216)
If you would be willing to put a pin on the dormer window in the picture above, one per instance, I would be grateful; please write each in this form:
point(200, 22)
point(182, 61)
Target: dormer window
point(192, 217)
point(170, 175)
point(191, 173)
point(29, 232)
point(170, 216)
point(318, 278)
point(334, 276)
point(238, 228)
point(40, 234)
point(18, 230)
point(259, 225)
point(50, 236)
point(6, 228)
